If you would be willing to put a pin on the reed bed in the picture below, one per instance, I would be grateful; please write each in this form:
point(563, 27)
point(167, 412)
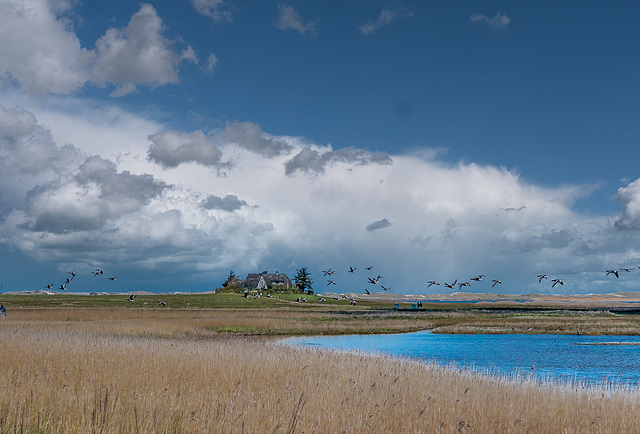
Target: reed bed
point(64, 375)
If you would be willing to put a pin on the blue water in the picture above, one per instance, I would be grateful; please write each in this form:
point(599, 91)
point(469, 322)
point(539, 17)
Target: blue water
point(549, 357)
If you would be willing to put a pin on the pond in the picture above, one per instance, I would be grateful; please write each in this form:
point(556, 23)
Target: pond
point(586, 359)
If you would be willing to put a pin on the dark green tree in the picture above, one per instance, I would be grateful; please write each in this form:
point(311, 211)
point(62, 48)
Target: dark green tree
point(303, 280)
point(232, 278)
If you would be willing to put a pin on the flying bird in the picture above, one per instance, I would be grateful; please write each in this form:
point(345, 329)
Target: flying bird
point(352, 269)
point(328, 272)
point(433, 282)
point(556, 281)
point(495, 282)
point(451, 285)
point(384, 287)
point(614, 272)
point(460, 285)
point(478, 278)
point(628, 270)
point(541, 276)
point(374, 281)
point(50, 286)
point(112, 278)
point(366, 291)
point(162, 303)
point(97, 273)
point(331, 282)
point(63, 287)
point(132, 298)
point(73, 273)
point(369, 268)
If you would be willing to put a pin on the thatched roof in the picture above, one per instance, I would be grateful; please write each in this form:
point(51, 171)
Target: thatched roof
point(273, 281)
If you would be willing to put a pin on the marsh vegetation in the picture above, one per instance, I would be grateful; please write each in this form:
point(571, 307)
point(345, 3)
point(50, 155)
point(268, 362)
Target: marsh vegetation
point(182, 370)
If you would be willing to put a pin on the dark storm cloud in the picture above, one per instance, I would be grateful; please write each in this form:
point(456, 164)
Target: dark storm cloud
point(228, 203)
point(249, 136)
point(88, 200)
point(119, 186)
point(380, 224)
point(311, 161)
point(170, 149)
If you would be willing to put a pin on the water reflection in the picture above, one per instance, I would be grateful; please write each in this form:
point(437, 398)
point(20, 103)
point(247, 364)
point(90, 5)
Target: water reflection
point(587, 359)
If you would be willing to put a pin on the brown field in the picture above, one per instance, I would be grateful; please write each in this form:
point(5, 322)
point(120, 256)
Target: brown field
point(133, 370)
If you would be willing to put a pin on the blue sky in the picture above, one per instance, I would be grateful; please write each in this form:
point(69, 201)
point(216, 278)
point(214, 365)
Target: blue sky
point(168, 143)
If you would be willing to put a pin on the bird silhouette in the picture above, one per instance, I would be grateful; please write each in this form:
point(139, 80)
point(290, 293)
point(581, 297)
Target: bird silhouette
point(384, 287)
point(162, 303)
point(614, 272)
point(50, 286)
point(628, 270)
point(328, 272)
point(73, 273)
point(433, 282)
point(366, 291)
point(556, 281)
point(112, 278)
point(97, 273)
point(478, 278)
point(451, 285)
point(541, 276)
point(495, 282)
point(132, 298)
point(460, 285)
point(352, 269)
point(369, 268)
point(374, 281)
point(330, 282)
point(63, 287)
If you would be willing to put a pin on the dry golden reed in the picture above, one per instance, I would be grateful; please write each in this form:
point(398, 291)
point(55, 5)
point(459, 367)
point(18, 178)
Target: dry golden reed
point(62, 375)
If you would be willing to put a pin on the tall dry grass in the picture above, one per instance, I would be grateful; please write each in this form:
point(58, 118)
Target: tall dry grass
point(68, 377)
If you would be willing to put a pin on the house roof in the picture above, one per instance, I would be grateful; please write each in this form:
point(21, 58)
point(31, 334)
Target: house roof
point(271, 279)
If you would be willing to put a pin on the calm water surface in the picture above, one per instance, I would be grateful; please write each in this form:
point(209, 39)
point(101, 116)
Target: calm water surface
point(555, 357)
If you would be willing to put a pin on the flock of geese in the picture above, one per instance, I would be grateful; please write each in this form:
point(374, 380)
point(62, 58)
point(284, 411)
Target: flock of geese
point(98, 272)
point(459, 285)
point(371, 280)
point(63, 285)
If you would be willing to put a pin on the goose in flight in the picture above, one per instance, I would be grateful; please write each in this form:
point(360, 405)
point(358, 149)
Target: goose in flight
point(352, 269)
point(63, 286)
point(451, 285)
point(478, 278)
point(614, 272)
point(384, 287)
point(97, 273)
point(328, 272)
point(112, 278)
point(541, 276)
point(433, 282)
point(460, 285)
point(50, 286)
point(331, 282)
point(628, 270)
point(556, 281)
point(132, 298)
point(73, 273)
point(369, 268)
point(376, 280)
point(495, 282)
point(366, 291)
point(162, 303)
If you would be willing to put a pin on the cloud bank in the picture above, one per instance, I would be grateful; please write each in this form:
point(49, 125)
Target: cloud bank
point(239, 198)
